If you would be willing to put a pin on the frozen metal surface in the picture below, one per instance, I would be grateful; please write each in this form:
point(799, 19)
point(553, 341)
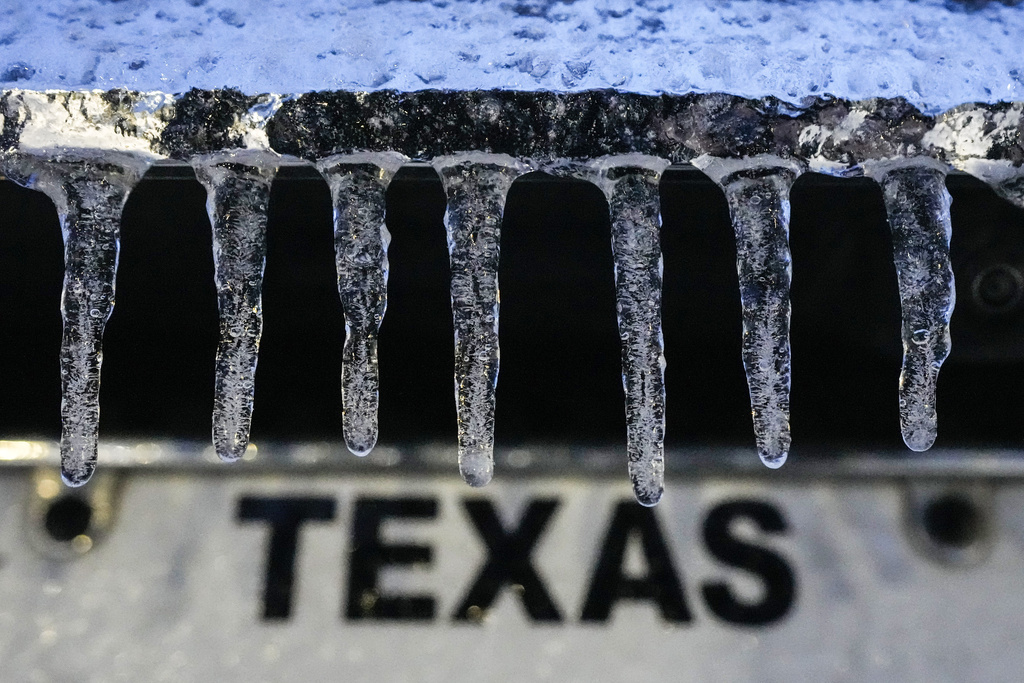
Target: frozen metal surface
point(170, 588)
point(935, 53)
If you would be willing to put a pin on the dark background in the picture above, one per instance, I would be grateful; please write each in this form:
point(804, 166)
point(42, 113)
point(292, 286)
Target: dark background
point(559, 345)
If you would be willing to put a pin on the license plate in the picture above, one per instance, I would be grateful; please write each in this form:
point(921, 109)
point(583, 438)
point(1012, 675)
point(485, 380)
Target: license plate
point(243, 574)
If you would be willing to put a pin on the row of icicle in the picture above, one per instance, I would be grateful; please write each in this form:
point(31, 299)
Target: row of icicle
point(89, 198)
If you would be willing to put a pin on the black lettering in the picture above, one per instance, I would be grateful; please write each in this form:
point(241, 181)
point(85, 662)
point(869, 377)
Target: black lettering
point(508, 561)
point(369, 554)
point(661, 583)
point(285, 516)
point(773, 570)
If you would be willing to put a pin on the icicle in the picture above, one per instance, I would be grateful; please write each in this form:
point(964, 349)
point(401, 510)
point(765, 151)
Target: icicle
point(757, 190)
point(476, 186)
point(918, 206)
point(630, 183)
point(238, 193)
point(89, 196)
point(358, 184)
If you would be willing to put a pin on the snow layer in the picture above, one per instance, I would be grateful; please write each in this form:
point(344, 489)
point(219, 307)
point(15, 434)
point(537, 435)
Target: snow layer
point(936, 53)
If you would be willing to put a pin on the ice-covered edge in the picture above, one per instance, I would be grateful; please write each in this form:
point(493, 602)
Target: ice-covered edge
point(547, 131)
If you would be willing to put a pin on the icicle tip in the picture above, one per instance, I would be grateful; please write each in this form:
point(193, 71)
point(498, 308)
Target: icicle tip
point(78, 475)
point(360, 448)
point(476, 467)
point(648, 497)
point(774, 460)
point(919, 438)
point(230, 450)
point(648, 481)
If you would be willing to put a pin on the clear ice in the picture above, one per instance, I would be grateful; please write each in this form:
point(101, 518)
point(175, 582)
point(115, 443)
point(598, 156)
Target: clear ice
point(358, 185)
point(89, 196)
point(918, 204)
point(630, 185)
point(476, 186)
point(757, 191)
point(237, 199)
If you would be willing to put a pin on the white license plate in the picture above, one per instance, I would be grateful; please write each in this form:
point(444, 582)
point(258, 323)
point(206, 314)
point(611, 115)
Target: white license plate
point(258, 576)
